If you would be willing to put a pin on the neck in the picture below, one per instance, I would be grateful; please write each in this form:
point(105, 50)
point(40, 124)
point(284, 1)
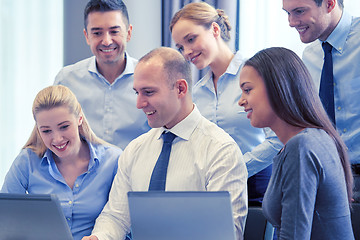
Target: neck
point(285, 131)
point(221, 63)
point(336, 14)
point(112, 70)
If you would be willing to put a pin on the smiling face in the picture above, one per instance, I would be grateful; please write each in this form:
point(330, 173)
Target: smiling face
point(59, 130)
point(196, 43)
point(254, 98)
point(107, 36)
point(158, 98)
point(311, 21)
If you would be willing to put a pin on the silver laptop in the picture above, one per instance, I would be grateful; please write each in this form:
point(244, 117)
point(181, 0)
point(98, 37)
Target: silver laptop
point(181, 215)
point(32, 217)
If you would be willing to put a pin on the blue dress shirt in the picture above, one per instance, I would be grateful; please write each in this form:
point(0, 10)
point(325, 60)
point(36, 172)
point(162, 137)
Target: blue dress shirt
point(345, 40)
point(110, 108)
point(82, 204)
point(259, 146)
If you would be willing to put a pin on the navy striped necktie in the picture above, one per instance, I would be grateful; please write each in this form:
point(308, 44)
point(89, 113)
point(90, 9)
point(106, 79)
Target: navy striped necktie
point(158, 177)
point(327, 82)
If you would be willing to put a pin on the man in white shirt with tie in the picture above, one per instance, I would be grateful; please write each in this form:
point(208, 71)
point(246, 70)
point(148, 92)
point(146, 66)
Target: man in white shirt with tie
point(203, 156)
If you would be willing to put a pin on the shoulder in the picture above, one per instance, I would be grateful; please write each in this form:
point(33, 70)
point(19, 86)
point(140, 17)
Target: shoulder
point(144, 139)
point(213, 133)
point(312, 49)
point(310, 147)
point(355, 24)
point(27, 155)
point(109, 151)
point(310, 137)
point(26, 160)
point(78, 68)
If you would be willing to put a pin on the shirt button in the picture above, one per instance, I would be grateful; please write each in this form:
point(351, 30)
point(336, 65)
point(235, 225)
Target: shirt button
point(68, 219)
point(70, 202)
point(344, 130)
point(77, 185)
point(339, 108)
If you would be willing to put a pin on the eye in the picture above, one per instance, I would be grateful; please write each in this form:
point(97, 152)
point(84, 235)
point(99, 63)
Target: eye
point(299, 11)
point(96, 33)
point(181, 49)
point(191, 39)
point(115, 32)
point(64, 127)
point(247, 90)
point(46, 131)
point(149, 92)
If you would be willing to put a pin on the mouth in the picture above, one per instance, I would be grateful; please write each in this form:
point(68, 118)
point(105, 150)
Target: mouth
point(301, 30)
point(150, 113)
point(249, 111)
point(107, 50)
point(61, 147)
point(193, 59)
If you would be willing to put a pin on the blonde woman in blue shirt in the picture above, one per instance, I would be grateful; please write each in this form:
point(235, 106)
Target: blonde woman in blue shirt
point(64, 157)
point(201, 32)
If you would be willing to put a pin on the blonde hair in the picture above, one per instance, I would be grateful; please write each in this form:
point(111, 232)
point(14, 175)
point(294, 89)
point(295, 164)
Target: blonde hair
point(204, 14)
point(52, 97)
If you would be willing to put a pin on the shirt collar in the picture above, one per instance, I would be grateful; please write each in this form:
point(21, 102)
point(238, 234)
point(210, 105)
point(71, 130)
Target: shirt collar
point(232, 69)
point(186, 127)
point(235, 64)
point(338, 37)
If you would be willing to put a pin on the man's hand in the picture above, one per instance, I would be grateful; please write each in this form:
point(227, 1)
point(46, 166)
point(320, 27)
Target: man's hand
point(92, 237)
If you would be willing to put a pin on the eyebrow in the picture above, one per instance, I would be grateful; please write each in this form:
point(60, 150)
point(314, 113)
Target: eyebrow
point(98, 28)
point(293, 10)
point(57, 124)
point(242, 85)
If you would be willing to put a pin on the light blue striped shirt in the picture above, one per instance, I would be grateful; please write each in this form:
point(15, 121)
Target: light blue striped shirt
point(109, 108)
point(258, 145)
point(345, 40)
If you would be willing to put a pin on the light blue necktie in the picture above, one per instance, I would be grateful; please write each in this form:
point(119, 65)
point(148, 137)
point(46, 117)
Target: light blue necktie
point(326, 92)
point(158, 177)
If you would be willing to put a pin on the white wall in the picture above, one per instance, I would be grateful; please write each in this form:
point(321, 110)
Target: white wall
point(145, 16)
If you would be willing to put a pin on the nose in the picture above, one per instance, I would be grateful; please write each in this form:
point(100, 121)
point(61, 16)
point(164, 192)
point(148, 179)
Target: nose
point(107, 39)
point(187, 52)
point(242, 101)
point(140, 102)
point(57, 137)
point(293, 21)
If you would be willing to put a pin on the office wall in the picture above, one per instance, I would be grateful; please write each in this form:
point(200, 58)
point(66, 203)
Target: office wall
point(146, 28)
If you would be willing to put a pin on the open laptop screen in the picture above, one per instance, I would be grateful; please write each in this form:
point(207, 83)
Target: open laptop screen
point(32, 217)
point(181, 215)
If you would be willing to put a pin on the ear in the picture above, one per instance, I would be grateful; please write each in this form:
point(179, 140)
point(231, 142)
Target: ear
point(80, 120)
point(182, 87)
point(129, 32)
point(330, 5)
point(216, 29)
point(86, 36)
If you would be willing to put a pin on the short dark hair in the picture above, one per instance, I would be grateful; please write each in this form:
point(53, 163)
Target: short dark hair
point(105, 6)
point(340, 3)
point(175, 65)
point(293, 97)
